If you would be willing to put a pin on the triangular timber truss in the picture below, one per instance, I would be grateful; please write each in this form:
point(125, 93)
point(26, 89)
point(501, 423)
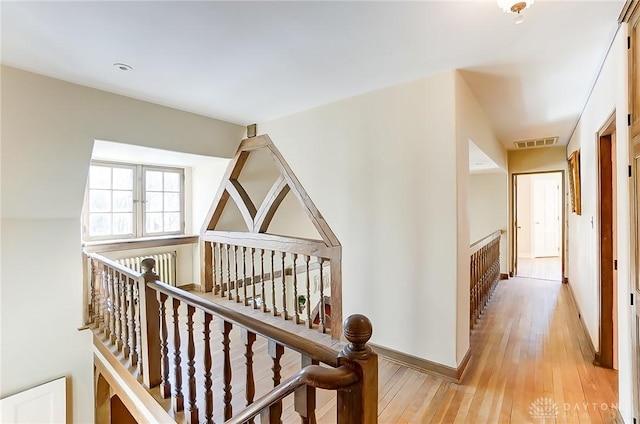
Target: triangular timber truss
point(258, 219)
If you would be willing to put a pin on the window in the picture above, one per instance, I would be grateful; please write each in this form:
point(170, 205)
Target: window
point(129, 201)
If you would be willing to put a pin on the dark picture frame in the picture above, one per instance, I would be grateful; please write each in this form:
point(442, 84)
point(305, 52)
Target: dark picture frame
point(574, 182)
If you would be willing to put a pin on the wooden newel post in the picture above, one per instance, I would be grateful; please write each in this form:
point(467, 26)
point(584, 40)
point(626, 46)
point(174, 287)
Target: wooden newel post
point(150, 327)
point(358, 404)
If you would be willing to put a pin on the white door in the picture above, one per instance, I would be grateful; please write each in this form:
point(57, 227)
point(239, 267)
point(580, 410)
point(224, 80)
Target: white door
point(42, 404)
point(546, 216)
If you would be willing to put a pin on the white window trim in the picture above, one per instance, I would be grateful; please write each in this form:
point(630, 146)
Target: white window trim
point(139, 204)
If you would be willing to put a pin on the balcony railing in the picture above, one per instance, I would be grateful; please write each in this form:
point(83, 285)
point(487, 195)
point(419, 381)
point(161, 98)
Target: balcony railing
point(485, 273)
point(164, 337)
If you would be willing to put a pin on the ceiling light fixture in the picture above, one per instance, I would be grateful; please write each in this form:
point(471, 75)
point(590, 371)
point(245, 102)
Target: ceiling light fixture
point(123, 66)
point(515, 7)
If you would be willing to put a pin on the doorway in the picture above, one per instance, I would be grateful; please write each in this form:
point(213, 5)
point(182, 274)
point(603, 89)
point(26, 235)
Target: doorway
point(538, 235)
point(607, 355)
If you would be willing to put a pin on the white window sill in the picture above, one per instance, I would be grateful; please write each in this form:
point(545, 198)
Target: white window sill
point(139, 243)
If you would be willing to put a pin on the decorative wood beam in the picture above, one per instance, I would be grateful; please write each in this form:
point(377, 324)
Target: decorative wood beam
point(253, 143)
point(272, 201)
point(220, 200)
point(243, 202)
point(312, 212)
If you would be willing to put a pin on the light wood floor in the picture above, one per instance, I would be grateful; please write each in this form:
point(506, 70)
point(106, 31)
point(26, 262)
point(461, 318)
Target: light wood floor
point(529, 355)
point(541, 268)
point(528, 351)
point(528, 347)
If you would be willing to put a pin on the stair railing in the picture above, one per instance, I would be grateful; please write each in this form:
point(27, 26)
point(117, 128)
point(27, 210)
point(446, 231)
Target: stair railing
point(484, 273)
point(271, 273)
point(157, 315)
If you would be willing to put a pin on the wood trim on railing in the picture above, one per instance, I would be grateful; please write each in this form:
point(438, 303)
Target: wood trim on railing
point(150, 325)
point(130, 309)
point(270, 242)
point(312, 375)
point(292, 341)
point(484, 241)
point(143, 243)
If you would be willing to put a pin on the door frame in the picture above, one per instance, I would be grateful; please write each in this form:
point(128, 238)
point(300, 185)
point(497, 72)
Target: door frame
point(631, 15)
point(606, 196)
point(634, 269)
point(513, 248)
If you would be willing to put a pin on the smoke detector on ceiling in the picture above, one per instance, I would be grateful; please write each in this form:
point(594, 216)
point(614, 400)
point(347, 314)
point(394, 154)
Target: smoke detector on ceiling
point(537, 142)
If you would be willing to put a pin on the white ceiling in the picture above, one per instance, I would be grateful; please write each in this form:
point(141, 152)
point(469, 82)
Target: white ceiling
point(253, 61)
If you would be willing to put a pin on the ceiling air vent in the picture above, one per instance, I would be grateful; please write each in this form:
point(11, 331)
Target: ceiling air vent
point(538, 142)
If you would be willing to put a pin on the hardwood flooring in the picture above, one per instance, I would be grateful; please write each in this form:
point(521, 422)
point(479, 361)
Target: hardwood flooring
point(531, 363)
point(541, 268)
point(529, 357)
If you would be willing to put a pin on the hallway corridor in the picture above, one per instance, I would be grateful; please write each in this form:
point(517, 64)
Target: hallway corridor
point(531, 363)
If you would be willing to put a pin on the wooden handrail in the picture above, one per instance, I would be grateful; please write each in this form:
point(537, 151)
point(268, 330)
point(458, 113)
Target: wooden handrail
point(271, 242)
point(141, 243)
point(484, 241)
point(115, 265)
point(312, 375)
point(124, 294)
point(135, 313)
point(292, 341)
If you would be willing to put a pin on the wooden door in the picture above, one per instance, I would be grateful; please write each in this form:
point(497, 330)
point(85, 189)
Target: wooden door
point(605, 356)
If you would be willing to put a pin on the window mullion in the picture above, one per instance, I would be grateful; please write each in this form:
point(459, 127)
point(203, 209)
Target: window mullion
point(140, 205)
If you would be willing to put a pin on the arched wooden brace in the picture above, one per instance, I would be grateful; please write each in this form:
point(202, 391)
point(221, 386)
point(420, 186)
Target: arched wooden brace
point(243, 202)
point(270, 205)
point(258, 221)
point(232, 188)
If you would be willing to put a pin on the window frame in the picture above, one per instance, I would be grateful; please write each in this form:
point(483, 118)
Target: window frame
point(139, 230)
point(143, 190)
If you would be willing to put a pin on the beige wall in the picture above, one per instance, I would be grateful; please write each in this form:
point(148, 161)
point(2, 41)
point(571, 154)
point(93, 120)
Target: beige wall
point(537, 160)
point(381, 168)
point(488, 209)
point(609, 94)
point(48, 129)
point(471, 124)
point(389, 171)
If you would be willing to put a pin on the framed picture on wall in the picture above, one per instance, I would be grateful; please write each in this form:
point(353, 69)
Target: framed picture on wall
point(574, 182)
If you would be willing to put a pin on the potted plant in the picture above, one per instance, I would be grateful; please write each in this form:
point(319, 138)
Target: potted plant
point(302, 300)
